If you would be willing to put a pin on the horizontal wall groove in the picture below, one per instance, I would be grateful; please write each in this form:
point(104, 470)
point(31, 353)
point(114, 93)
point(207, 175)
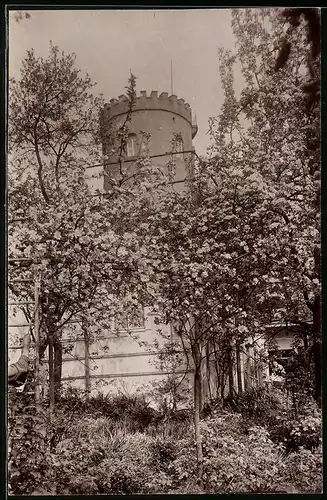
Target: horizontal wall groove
point(111, 356)
point(126, 374)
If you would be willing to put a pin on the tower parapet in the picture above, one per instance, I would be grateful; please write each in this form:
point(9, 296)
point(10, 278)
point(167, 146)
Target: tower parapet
point(163, 102)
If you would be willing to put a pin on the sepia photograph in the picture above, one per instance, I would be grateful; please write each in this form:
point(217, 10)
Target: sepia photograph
point(163, 241)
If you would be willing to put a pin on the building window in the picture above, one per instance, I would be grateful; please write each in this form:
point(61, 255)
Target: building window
point(280, 356)
point(178, 146)
point(131, 147)
point(131, 321)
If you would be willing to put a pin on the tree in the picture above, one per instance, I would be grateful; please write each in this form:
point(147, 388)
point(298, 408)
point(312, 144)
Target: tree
point(271, 129)
point(80, 244)
point(206, 268)
point(233, 251)
point(310, 18)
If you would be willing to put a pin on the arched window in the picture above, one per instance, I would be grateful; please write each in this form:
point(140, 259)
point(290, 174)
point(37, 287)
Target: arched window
point(179, 148)
point(131, 147)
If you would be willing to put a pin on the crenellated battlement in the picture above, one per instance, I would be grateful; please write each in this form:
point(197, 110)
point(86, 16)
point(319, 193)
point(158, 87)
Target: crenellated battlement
point(162, 102)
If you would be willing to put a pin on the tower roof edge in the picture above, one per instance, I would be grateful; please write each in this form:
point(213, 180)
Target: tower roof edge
point(152, 102)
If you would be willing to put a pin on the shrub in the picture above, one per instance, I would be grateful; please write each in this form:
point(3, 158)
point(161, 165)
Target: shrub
point(29, 459)
point(97, 458)
point(304, 471)
point(258, 403)
point(305, 432)
point(183, 468)
point(90, 456)
point(163, 451)
point(237, 462)
point(134, 410)
point(294, 433)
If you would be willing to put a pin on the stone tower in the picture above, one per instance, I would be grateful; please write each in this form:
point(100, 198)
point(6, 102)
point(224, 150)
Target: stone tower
point(166, 120)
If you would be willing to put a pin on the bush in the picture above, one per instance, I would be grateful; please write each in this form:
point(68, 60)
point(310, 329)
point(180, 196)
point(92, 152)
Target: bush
point(29, 458)
point(183, 468)
point(305, 432)
point(134, 410)
point(163, 451)
point(258, 403)
point(87, 455)
point(237, 462)
point(98, 459)
point(269, 407)
point(304, 471)
point(294, 433)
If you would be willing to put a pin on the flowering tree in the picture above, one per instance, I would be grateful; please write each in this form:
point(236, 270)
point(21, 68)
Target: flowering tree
point(79, 244)
point(271, 129)
point(236, 249)
point(208, 269)
point(309, 19)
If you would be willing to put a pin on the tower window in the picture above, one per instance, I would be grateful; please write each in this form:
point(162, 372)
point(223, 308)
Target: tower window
point(179, 148)
point(131, 147)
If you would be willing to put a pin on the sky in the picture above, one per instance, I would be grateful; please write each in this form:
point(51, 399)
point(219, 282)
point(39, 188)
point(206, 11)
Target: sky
point(111, 43)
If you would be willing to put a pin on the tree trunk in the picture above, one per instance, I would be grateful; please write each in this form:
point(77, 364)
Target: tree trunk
point(57, 371)
point(247, 381)
point(205, 378)
point(197, 410)
point(87, 364)
point(37, 342)
point(230, 373)
point(316, 348)
point(223, 380)
point(51, 376)
point(239, 370)
point(216, 362)
point(208, 371)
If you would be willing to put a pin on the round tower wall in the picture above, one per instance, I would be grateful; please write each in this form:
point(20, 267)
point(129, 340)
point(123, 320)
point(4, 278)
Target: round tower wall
point(161, 117)
point(153, 102)
point(160, 125)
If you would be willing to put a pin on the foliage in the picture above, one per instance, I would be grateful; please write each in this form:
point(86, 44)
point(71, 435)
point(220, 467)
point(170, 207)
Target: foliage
point(269, 128)
point(122, 463)
point(304, 471)
point(164, 451)
point(173, 390)
point(274, 409)
point(132, 411)
point(242, 459)
point(29, 458)
point(237, 249)
point(79, 243)
point(228, 468)
point(87, 454)
point(299, 369)
point(257, 403)
point(305, 431)
point(248, 461)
